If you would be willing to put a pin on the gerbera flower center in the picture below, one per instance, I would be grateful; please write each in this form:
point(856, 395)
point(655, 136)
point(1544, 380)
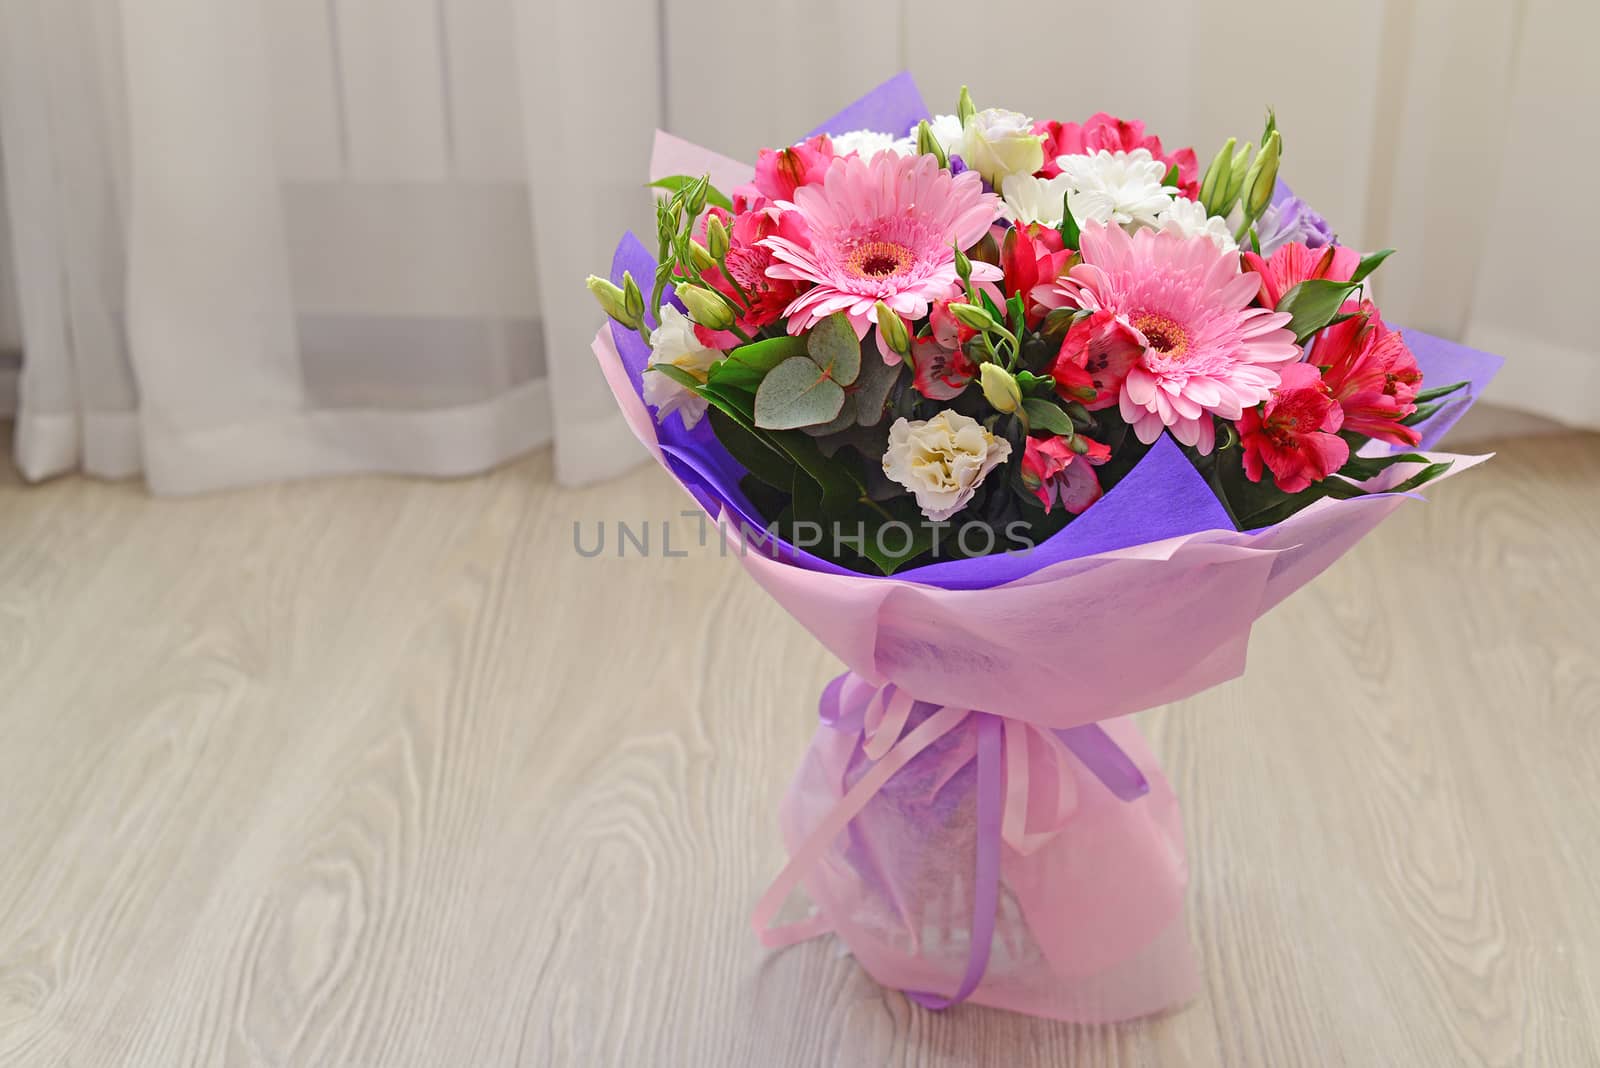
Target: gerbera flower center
point(878, 259)
point(1163, 335)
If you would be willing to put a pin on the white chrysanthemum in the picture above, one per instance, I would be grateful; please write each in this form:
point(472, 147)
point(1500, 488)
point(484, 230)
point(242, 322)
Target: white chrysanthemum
point(1189, 218)
point(1116, 187)
point(674, 342)
point(947, 130)
point(942, 460)
point(1033, 200)
point(868, 143)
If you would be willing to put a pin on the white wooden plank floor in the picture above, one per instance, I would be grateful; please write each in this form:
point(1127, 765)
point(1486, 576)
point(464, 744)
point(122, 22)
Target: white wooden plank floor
point(380, 772)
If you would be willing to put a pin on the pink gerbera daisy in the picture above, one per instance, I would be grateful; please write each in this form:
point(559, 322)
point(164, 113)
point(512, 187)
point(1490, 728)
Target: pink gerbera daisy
point(1201, 349)
point(881, 229)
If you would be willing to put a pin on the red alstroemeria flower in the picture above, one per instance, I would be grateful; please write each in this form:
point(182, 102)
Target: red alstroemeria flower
point(748, 261)
point(1096, 355)
point(1112, 134)
point(942, 367)
point(1295, 432)
point(1032, 256)
point(1295, 263)
point(1371, 373)
point(780, 171)
point(1058, 475)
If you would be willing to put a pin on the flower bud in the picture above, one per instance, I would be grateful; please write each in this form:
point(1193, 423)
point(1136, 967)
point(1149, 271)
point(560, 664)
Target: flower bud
point(999, 388)
point(964, 107)
point(631, 297)
point(705, 306)
point(694, 196)
point(716, 238)
point(1214, 186)
point(1262, 176)
point(971, 315)
point(701, 257)
point(928, 145)
point(963, 267)
point(1077, 445)
point(1236, 177)
point(893, 330)
point(613, 302)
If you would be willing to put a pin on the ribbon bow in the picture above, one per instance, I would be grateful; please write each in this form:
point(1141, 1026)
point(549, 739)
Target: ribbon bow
point(1004, 755)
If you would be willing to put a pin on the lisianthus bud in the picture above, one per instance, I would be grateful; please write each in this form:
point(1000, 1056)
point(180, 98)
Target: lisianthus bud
point(1236, 177)
point(973, 316)
point(996, 143)
point(999, 388)
point(928, 145)
point(705, 307)
point(632, 298)
point(1214, 186)
point(1262, 176)
point(703, 260)
point(964, 108)
point(613, 301)
point(893, 330)
point(716, 238)
point(963, 267)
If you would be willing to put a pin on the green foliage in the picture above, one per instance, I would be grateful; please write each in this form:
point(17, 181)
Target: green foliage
point(676, 182)
point(1313, 304)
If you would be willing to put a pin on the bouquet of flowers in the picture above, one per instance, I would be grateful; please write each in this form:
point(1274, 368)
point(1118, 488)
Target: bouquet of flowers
point(1027, 421)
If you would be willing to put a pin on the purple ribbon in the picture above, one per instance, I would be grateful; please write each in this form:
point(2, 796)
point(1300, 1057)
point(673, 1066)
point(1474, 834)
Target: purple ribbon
point(1092, 746)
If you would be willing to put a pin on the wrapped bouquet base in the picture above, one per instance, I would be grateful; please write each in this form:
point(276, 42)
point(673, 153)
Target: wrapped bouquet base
point(989, 859)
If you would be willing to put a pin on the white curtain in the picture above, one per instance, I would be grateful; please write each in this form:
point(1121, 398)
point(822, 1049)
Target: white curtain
point(260, 239)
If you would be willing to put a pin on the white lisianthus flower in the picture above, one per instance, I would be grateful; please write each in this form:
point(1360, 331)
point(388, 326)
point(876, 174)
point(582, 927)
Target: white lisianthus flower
point(1189, 218)
point(942, 460)
point(996, 143)
point(1026, 199)
point(674, 342)
point(1116, 187)
point(868, 143)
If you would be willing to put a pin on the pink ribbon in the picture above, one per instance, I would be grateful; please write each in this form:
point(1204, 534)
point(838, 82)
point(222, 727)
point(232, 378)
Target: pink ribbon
point(1005, 756)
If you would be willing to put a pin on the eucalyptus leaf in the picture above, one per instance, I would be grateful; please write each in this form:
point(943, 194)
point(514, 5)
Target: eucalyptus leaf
point(872, 388)
point(1313, 303)
point(843, 421)
point(797, 393)
point(834, 347)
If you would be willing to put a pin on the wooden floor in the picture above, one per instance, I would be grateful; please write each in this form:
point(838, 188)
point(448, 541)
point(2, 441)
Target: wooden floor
point(381, 772)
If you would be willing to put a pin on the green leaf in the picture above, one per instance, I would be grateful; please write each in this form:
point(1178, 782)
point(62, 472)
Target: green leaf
point(752, 452)
point(843, 421)
point(1042, 415)
point(747, 365)
point(797, 393)
point(834, 348)
point(1033, 385)
point(1361, 468)
point(1069, 225)
point(673, 183)
point(873, 387)
point(1313, 303)
point(1171, 178)
point(1423, 412)
point(1426, 475)
point(677, 374)
point(1369, 263)
point(1440, 391)
point(1017, 313)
